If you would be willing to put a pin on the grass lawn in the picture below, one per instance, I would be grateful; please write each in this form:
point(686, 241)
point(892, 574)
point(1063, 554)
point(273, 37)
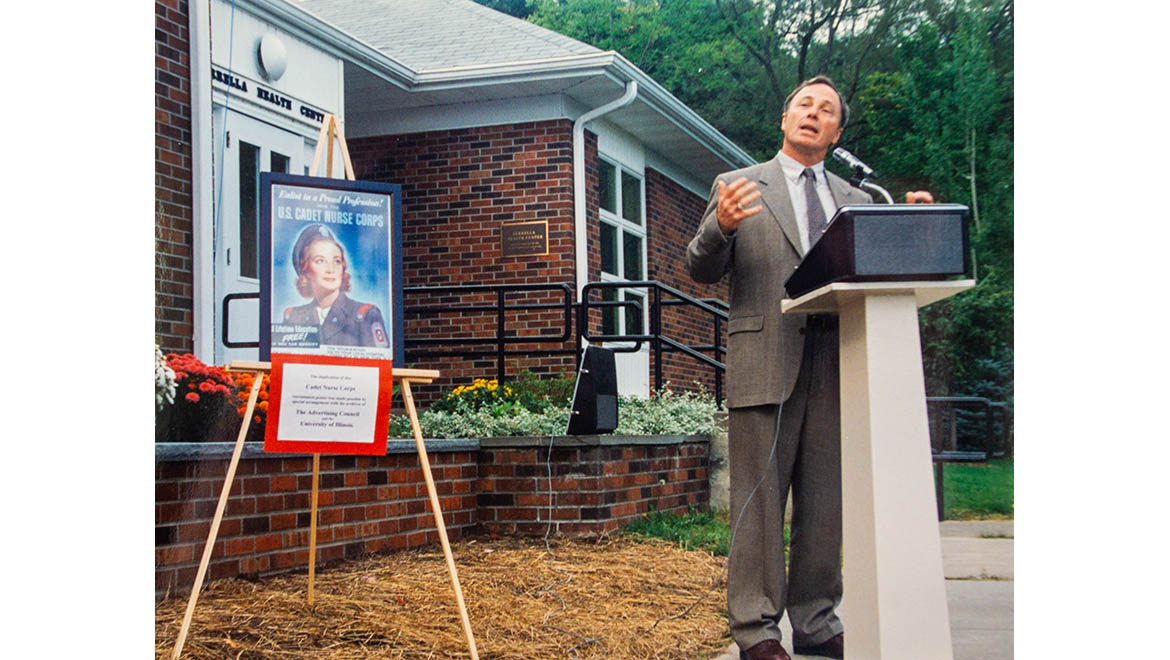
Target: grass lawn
point(972, 491)
point(979, 491)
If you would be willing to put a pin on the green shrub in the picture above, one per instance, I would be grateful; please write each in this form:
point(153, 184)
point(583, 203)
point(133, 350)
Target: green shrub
point(537, 394)
point(668, 413)
point(540, 410)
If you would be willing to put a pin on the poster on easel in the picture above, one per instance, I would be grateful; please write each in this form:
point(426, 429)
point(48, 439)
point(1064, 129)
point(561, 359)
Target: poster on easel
point(330, 311)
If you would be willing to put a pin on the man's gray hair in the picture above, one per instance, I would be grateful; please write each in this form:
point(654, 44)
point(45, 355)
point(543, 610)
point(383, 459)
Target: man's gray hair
point(821, 80)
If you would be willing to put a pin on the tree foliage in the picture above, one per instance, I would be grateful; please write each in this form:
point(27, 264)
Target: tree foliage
point(930, 86)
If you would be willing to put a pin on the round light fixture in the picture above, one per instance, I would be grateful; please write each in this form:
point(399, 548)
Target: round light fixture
point(272, 56)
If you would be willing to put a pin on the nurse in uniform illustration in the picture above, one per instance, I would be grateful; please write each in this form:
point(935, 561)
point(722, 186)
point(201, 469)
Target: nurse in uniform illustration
point(323, 275)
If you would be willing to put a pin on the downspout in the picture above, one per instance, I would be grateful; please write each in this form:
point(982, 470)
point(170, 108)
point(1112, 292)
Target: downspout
point(202, 213)
point(580, 225)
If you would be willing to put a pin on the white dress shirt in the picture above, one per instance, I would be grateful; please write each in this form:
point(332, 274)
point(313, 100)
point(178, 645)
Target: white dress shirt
point(792, 171)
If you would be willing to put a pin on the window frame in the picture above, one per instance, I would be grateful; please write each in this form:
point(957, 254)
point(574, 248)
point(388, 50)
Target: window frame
point(623, 226)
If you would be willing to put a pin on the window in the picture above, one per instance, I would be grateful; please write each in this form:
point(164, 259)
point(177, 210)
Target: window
point(623, 245)
point(250, 203)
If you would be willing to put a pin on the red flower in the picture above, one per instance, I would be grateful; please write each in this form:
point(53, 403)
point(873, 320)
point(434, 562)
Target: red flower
point(192, 397)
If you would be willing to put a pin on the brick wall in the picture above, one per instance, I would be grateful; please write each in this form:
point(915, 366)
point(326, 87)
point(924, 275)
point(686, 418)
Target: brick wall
point(459, 187)
point(173, 311)
point(673, 215)
point(369, 505)
point(365, 505)
point(594, 489)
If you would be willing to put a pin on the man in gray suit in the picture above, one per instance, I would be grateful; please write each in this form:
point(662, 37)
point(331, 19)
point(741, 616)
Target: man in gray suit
point(783, 390)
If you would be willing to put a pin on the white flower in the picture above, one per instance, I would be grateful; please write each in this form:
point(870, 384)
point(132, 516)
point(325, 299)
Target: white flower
point(164, 379)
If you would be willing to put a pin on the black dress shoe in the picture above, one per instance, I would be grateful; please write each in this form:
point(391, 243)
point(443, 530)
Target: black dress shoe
point(769, 649)
point(833, 647)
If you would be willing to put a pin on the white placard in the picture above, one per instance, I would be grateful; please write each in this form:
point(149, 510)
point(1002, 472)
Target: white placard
point(328, 403)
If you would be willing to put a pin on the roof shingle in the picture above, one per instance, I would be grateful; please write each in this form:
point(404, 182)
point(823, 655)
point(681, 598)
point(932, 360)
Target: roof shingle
point(428, 35)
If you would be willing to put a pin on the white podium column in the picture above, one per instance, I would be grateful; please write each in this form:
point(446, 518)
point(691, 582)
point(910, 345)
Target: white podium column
point(895, 605)
point(893, 557)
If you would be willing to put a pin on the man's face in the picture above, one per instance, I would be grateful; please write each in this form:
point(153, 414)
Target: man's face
point(812, 122)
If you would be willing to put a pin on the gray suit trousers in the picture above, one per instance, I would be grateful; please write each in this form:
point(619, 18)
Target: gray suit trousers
point(807, 457)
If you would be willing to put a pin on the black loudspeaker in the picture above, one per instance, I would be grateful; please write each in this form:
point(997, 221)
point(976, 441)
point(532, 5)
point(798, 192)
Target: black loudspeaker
point(595, 404)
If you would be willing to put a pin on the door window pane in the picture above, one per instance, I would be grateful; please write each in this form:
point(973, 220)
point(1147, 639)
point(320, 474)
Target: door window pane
point(279, 163)
point(634, 315)
point(631, 198)
point(249, 198)
point(609, 249)
point(632, 256)
point(607, 192)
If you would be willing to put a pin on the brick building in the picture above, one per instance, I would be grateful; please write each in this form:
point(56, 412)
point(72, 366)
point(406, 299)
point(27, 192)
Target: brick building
point(484, 120)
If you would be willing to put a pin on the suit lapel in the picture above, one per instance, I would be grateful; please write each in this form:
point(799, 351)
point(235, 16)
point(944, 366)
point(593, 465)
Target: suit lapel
point(774, 189)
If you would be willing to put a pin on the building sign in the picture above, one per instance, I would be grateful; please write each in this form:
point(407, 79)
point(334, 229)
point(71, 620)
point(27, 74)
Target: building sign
point(524, 239)
point(330, 311)
point(264, 95)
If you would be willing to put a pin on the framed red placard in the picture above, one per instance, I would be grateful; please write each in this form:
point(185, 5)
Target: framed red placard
point(328, 405)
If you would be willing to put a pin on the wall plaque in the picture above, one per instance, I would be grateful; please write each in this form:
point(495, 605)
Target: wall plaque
point(524, 239)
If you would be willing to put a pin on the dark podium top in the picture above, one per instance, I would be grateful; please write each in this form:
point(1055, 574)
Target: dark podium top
point(886, 242)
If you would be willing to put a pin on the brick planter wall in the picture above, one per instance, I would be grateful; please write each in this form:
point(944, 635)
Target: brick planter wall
point(366, 504)
point(370, 505)
point(599, 483)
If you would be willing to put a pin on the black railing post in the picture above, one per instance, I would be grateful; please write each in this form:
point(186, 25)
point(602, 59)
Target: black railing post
point(938, 487)
point(715, 354)
point(500, 336)
point(656, 330)
point(988, 430)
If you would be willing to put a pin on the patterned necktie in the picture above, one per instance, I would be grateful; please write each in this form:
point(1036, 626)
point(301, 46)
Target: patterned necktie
point(816, 212)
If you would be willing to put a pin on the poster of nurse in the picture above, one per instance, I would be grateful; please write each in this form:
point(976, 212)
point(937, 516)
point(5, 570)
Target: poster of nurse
point(331, 268)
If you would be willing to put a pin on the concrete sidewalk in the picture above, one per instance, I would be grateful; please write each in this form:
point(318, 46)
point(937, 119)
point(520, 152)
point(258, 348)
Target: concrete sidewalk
point(978, 565)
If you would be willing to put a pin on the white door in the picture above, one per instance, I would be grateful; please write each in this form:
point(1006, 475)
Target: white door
point(249, 147)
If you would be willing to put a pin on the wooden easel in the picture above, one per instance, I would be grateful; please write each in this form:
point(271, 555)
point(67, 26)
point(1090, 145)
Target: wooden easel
point(329, 128)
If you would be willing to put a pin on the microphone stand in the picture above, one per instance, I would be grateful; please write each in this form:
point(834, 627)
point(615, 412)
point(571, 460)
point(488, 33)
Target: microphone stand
point(859, 181)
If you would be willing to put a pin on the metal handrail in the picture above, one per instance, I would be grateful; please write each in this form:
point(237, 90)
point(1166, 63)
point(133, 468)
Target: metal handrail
point(655, 336)
point(941, 458)
point(502, 337)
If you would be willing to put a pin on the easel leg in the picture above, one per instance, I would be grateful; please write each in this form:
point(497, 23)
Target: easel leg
point(313, 526)
point(219, 509)
point(426, 468)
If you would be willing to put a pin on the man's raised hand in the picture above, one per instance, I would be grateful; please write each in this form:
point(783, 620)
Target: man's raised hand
point(733, 205)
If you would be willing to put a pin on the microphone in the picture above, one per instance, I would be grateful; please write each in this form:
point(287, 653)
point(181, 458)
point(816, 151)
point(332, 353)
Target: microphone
point(852, 161)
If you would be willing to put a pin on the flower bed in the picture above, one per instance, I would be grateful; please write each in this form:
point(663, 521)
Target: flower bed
point(376, 504)
point(515, 474)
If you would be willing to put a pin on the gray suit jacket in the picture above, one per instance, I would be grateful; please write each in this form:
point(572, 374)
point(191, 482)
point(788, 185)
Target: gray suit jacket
point(764, 348)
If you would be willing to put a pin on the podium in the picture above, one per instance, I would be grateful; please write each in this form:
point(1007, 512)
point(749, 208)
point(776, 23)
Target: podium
point(895, 605)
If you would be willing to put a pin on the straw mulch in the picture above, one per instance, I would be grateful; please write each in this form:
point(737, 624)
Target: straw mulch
point(611, 598)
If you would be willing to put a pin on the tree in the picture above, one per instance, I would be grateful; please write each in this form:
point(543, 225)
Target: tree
point(945, 123)
point(930, 87)
point(517, 8)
